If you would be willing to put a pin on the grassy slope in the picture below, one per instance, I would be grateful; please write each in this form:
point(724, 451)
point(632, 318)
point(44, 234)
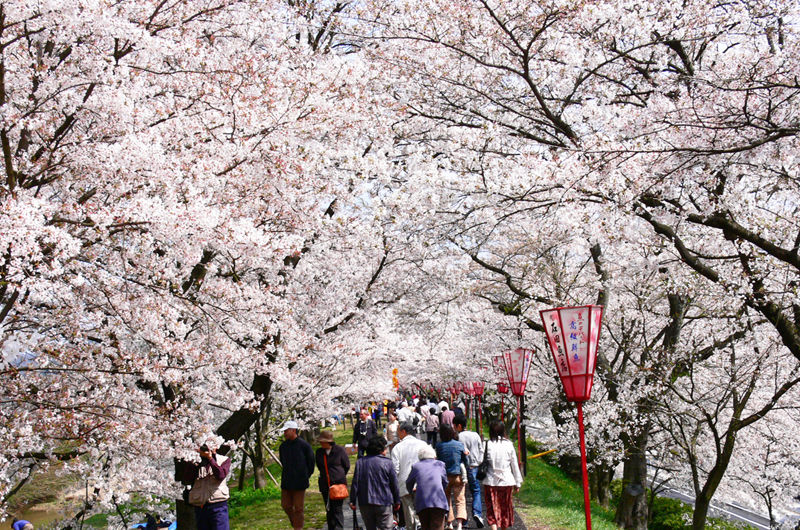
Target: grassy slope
point(550, 499)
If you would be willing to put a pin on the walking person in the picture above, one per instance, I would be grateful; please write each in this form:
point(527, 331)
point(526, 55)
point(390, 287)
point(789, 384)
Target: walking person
point(374, 487)
point(432, 427)
point(363, 430)
point(429, 477)
point(404, 456)
point(474, 448)
point(297, 462)
point(503, 479)
point(391, 431)
point(333, 464)
point(447, 417)
point(209, 494)
point(405, 413)
point(452, 453)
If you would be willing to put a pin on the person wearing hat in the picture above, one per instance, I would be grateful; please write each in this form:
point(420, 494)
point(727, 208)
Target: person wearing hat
point(297, 461)
point(333, 464)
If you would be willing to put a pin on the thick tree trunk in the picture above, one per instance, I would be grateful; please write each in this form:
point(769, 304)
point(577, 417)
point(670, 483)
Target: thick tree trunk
point(702, 500)
point(259, 477)
point(701, 505)
point(184, 515)
point(600, 484)
point(242, 472)
point(632, 512)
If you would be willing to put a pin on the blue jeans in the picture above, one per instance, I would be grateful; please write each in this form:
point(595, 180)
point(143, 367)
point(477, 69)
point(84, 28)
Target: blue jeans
point(475, 488)
point(212, 516)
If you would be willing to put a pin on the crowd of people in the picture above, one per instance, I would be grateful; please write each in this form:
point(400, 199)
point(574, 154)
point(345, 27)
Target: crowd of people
point(412, 472)
point(416, 468)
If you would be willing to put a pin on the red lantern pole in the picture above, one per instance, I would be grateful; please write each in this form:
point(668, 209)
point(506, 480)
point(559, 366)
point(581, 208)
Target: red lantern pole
point(586, 503)
point(573, 334)
point(480, 417)
point(519, 435)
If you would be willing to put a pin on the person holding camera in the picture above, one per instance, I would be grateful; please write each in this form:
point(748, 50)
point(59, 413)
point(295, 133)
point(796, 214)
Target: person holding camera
point(363, 431)
point(209, 494)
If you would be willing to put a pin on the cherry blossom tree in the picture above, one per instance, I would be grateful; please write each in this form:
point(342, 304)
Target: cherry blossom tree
point(597, 117)
point(162, 215)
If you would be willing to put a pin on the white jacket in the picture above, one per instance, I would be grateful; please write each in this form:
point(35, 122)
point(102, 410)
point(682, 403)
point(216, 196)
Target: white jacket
point(503, 466)
point(405, 414)
point(404, 455)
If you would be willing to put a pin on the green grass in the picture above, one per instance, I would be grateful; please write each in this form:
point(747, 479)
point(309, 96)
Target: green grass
point(550, 498)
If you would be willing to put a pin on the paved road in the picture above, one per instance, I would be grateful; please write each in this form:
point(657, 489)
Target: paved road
point(728, 511)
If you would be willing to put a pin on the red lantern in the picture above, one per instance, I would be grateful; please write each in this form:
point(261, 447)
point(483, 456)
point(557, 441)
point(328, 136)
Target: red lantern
point(477, 391)
point(502, 388)
point(518, 364)
point(573, 334)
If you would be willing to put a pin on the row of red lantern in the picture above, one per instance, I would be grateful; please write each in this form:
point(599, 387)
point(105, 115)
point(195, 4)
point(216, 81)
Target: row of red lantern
point(474, 388)
point(572, 334)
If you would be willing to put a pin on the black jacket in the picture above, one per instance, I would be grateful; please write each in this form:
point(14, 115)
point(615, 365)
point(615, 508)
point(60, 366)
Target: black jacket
point(370, 430)
point(297, 460)
point(338, 465)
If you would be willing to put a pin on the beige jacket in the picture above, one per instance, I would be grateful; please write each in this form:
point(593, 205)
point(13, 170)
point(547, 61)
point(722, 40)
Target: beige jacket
point(207, 487)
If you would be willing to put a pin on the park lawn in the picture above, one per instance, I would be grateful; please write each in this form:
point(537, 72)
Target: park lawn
point(550, 499)
point(261, 510)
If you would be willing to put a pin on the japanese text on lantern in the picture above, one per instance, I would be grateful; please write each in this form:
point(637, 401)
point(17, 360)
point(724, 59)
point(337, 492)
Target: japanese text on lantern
point(576, 338)
point(554, 337)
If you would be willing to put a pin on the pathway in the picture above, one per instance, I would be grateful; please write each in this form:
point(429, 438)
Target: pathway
point(348, 518)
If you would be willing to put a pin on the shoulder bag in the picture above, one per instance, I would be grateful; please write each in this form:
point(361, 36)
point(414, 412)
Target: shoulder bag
point(483, 467)
point(336, 492)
